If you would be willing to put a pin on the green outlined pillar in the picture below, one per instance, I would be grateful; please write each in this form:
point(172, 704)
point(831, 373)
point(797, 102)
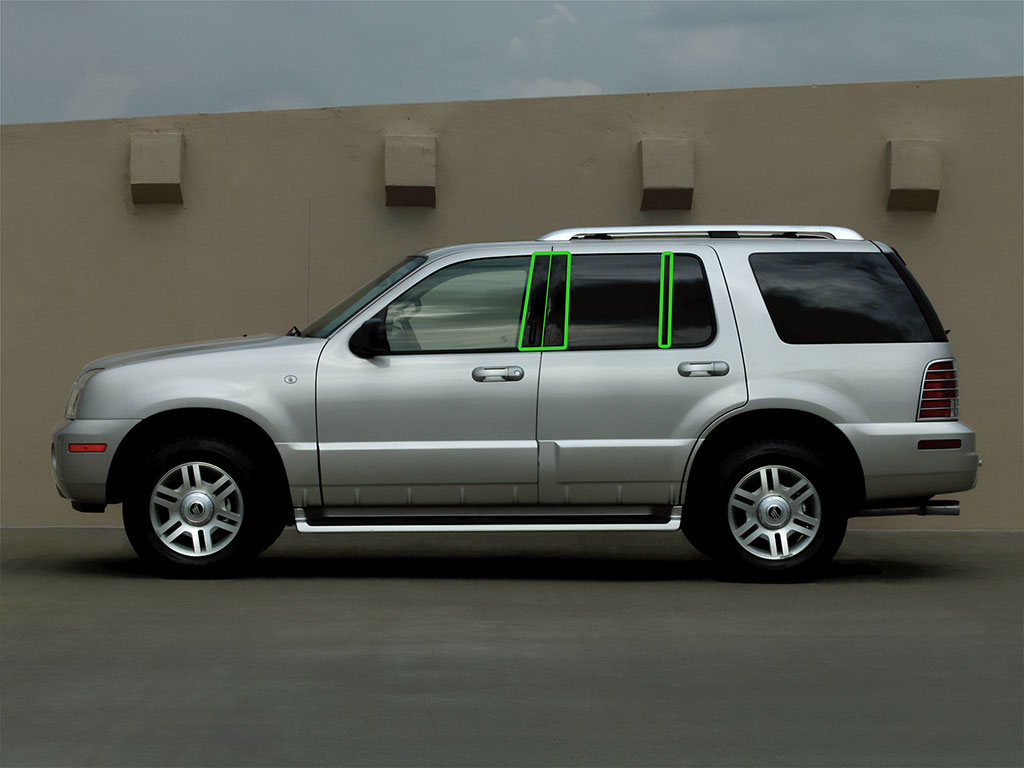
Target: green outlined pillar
point(547, 286)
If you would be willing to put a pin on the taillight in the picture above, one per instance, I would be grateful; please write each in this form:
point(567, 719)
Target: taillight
point(940, 396)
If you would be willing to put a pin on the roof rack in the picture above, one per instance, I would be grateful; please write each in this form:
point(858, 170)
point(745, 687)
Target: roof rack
point(700, 230)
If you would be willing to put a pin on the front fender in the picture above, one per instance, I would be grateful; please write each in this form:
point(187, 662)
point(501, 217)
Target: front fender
point(274, 388)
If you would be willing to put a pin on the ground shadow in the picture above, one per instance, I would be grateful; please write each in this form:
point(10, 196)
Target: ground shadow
point(529, 567)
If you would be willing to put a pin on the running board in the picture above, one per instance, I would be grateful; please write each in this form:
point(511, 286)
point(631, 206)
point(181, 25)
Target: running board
point(405, 520)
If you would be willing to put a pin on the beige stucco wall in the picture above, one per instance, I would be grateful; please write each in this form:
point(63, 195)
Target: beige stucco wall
point(85, 272)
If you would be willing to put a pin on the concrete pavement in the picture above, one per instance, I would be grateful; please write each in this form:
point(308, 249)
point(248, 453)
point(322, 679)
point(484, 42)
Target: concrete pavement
point(568, 649)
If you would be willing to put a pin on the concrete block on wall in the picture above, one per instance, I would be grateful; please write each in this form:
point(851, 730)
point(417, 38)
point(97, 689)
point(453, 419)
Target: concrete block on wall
point(915, 169)
point(666, 167)
point(155, 167)
point(410, 170)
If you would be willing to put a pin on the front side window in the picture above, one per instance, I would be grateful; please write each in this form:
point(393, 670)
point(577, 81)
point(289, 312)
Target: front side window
point(469, 306)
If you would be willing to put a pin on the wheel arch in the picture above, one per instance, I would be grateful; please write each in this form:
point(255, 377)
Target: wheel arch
point(179, 421)
point(816, 432)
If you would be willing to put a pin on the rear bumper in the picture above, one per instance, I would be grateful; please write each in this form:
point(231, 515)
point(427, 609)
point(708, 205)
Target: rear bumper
point(82, 477)
point(896, 468)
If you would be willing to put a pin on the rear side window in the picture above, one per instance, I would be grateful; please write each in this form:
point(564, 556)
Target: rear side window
point(638, 301)
point(692, 321)
point(614, 301)
point(838, 298)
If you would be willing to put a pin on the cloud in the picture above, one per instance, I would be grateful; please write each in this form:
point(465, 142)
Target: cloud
point(540, 87)
point(547, 31)
point(560, 15)
point(102, 94)
point(518, 49)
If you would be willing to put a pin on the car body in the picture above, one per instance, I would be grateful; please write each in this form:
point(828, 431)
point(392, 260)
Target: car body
point(528, 386)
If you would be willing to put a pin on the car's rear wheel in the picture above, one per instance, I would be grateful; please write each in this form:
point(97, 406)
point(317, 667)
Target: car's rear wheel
point(772, 507)
point(199, 505)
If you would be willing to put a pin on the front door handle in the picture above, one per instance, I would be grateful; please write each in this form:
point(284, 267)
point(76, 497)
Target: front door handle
point(715, 368)
point(485, 373)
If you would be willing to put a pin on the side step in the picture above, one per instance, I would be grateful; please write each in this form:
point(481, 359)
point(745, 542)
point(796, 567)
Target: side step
point(950, 507)
point(406, 519)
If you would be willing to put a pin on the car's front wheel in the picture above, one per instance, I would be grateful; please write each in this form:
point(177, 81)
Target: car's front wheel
point(199, 505)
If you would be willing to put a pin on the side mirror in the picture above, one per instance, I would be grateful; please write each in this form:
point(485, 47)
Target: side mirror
point(370, 339)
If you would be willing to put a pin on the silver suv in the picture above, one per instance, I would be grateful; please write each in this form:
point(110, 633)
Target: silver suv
point(752, 386)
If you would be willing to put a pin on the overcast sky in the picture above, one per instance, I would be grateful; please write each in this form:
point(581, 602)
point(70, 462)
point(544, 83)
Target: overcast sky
point(86, 60)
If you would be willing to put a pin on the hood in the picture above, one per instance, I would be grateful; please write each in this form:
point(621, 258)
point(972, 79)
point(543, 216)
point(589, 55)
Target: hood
point(181, 350)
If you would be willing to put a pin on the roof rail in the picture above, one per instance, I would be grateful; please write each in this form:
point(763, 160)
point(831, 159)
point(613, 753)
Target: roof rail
point(700, 230)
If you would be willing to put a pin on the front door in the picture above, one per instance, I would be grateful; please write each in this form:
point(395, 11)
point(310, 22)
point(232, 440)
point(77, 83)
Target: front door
point(448, 417)
point(650, 356)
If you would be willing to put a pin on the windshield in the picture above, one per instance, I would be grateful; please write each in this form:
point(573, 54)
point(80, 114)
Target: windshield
point(329, 322)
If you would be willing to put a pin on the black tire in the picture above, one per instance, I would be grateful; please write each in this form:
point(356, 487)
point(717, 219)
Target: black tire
point(768, 493)
point(214, 499)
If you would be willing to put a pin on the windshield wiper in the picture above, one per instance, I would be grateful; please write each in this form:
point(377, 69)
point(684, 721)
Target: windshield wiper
point(294, 331)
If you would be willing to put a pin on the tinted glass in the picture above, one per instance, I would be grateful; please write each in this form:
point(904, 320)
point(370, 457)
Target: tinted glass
point(328, 322)
point(554, 318)
point(474, 305)
point(831, 298)
point(545, 311)
point(693, 322)
point(614, 301)
point(533, 327)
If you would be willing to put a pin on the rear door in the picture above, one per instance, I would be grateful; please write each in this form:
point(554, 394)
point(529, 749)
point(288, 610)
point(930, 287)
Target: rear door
point(646, 356)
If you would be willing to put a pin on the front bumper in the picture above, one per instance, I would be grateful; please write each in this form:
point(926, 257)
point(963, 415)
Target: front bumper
point(895, 468)
point(82, 477)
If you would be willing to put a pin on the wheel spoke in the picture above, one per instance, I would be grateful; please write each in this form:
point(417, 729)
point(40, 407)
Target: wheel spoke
point(783, 543)
point(165, 530)
point(225, 491)
point(797, 488)
point(166, 496)
point(745, 495)
point(799, 499)
point(224, 525)
point(747, 506)
point(230, 514)
point(216, 487)
point(775, 485)
point(751, 522)
point(752, 537)
point(774, 546)
point(810, 522)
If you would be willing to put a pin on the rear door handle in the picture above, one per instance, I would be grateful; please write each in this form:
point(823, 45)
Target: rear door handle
point(485, 373)
point(714, 368)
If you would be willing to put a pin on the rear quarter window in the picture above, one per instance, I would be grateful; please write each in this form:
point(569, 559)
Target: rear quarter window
point(839, 298)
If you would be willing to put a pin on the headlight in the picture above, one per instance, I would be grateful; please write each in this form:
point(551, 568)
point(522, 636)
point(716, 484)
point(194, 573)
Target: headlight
point(76, 393)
